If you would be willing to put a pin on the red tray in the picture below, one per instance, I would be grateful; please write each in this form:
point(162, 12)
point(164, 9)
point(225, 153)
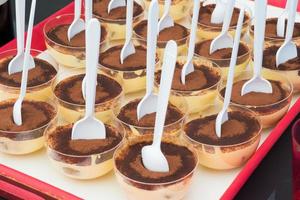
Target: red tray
point(17, 185)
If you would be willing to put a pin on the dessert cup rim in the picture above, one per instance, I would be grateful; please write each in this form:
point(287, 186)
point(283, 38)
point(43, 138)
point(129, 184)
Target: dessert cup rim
point(49, 101)
point(190, 147)
point(80, 156)
point(290, 92)
point(107, 20)
point(248, 53)
point(258, 134)
point(36, 86)
point(184, 116)
point(66, 46)
point(83, 105)
point(247, 11)
point(216, 68)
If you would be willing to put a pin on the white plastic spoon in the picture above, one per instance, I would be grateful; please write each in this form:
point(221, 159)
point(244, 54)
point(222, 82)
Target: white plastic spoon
point(88, 17)
point(280, 28)
point(289, 49)
point(218, 13)
point(223, 114)
point(152, 156)
point(128, 48)
point(224, 39)
point(166, 20)
point(89, 127)
point(148, 104)
point(257, 83)
point(78, 24)
point(115, 4)
point(16, 64)
point(17, 109)
point(188, 67)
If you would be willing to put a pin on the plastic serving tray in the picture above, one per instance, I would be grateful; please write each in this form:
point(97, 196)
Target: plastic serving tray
point(33, 177)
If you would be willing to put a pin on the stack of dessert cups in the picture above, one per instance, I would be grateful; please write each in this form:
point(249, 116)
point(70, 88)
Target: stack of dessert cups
point(115, 20)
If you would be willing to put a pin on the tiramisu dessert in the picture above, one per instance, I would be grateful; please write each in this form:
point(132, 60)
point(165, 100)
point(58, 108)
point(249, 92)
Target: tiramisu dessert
point(178, 33)
point(201, 86)
point(270, 107)
point(271, 36)
point(238, 142)
point(290, 68)
point(39, 81)
point(116, 18)
point(179, 9)
point(132, 73)
point(67, 53)
point(27, 138)
point(141, 183)
point(175, 117)
point(68, 91)
point(222, 56)
point(82, 159)
point(207, 30)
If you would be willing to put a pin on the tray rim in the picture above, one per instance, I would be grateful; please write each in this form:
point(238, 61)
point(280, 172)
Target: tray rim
point(231, 191)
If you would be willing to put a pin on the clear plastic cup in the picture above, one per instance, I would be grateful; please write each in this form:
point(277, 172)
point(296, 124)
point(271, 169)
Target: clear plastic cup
point(40, 91)
point(81, 166)
point(68, 56)
point(71, 112)
point(292, 74)
point(241, 63)
point(133, 81)
point(179, 9)
point(173, 129)
point(117, 27)
point(22, 141)
point(198, 100)
point(161, 44)
point(136, 190)
point(220, 156)
point(207, 32)
point(269, 114)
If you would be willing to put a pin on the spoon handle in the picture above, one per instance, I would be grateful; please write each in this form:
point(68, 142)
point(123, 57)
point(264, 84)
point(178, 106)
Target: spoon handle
point(77, 9)
point(259, 34)
point(164, 90)
point(166, 8)
point(88, 10)
point(129, 13)
point(27, 51)
point(151, 44)
point(291, 20)
point(228, 16)
point(193, 29)
point(20, 22)
point(233, 60)
point(92, 55)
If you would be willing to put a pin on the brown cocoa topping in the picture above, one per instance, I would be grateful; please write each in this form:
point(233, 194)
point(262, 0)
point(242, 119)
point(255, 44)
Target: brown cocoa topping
point(59, 35)
point(111, 59)
point(60, 140)
point(128, 114)
point(206, 12)
point(203, 77)
point(269, 60)
point(203, 48)
point(42, 73)
point(69, 90)
point(271, 29)
point(238, 129)
point(177, 33)
point(100, 9)
point(181, 162)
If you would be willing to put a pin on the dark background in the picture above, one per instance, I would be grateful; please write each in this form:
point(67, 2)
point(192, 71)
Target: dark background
point(270, 181)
